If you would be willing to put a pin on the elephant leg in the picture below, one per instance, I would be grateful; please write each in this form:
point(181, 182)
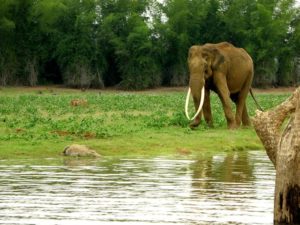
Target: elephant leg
point(245, 118)
point(224, 94)
point(241, 109)
point(238, 116)
point(207, 109)
point(196, 121)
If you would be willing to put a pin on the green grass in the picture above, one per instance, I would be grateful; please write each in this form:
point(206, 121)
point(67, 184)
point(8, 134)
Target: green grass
point(36, 123)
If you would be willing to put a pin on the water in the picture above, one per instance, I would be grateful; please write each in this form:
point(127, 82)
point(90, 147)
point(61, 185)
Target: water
point(236, 188)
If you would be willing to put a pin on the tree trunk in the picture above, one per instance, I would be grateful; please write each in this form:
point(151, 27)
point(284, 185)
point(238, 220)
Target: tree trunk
point(283, 149)
point(32, 71)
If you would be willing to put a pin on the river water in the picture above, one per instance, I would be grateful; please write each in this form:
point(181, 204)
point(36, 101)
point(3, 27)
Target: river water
point(235, 188)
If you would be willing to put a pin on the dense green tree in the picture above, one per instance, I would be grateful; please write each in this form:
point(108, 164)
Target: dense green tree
point(126, 32)
point(288, 21)
point(175, 34)
point(7, 54)
point(72, 26)
point(19, 53)
point(264, 29)
point(141, 44)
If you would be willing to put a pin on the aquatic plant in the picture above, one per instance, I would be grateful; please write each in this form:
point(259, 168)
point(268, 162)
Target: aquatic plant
point(49, 116)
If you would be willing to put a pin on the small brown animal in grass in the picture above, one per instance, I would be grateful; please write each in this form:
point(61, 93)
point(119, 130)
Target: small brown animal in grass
point(78, 102)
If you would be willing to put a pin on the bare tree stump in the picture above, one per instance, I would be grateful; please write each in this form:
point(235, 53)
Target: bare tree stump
point(283, 149)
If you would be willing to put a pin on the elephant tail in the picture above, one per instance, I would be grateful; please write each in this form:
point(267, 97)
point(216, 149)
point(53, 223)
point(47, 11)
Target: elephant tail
point(256, 103)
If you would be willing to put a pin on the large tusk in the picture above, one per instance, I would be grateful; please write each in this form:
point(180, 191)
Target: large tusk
point(187, 104)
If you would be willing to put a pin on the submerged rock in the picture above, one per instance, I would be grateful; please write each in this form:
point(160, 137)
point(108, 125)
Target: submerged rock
point(79, 150)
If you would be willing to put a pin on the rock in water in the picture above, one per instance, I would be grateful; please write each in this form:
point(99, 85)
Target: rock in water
point(79, 151)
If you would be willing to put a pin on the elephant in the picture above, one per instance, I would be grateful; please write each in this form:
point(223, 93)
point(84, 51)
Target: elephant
point(226, 70)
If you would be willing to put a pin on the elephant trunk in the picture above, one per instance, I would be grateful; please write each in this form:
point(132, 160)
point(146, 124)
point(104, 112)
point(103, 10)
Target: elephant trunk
point(197, 89)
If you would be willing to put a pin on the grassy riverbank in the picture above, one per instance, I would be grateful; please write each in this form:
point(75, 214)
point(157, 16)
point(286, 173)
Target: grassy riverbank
point(40, 122)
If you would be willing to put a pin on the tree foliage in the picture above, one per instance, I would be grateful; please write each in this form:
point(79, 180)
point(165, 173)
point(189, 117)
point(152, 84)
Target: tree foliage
point(141, 44)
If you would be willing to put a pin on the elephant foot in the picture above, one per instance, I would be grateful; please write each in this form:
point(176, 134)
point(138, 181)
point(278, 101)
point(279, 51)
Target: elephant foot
point(239, 122)
point(247, 123)
point(195, 123)
point(210, 124)
point(232, 126)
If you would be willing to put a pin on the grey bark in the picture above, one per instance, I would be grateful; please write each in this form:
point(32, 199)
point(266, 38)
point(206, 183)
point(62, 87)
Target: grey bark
point(283, 149)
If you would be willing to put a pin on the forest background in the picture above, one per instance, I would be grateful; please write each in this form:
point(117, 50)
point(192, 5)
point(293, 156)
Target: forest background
point(139, 44)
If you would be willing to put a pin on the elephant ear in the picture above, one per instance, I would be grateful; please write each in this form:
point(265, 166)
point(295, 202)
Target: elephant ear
point(214, 58)
point(218, 59)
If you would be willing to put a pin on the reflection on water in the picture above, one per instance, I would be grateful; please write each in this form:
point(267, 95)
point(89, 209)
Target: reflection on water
point(225, 189)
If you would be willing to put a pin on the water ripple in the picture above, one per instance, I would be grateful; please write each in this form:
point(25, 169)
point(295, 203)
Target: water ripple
point(226, 189)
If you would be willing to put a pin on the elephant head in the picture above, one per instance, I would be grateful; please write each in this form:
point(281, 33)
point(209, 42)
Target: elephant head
point(202, 61)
